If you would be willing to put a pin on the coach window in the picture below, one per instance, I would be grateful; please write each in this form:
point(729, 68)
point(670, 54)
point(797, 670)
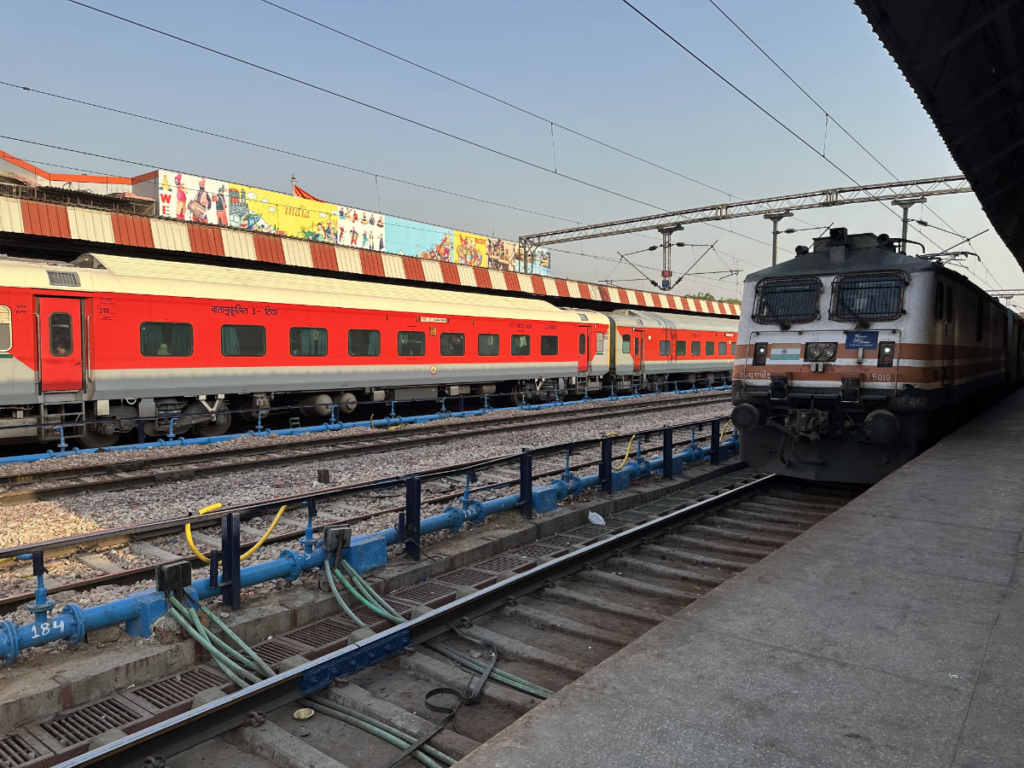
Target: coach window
point(61, 342)
point(625, 343)
point(583, 343)
point(680, 349)
point(549, 345)
point(722, 348)
point(938, 301)
point(5, 329)
point(488, 344)
point(412, 343)
point(695, 349)
point(453, 344)
point(732, 349)
point(636, 346)
point(600, 344)
point(520, 344)
point(664, 348)
point(243, 340)
point(709, 348)
point(308, 342)
point(363, 343)
point(165, 339)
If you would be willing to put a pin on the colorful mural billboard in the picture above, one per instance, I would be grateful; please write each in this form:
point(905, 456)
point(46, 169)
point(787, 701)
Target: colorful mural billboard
point(470, 249)
point(413, 238)
point(192, 198)
point(260, 210)
point(542, 262)
point(361, 229)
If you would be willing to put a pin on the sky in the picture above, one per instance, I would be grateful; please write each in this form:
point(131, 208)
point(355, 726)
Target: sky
point(591, 66)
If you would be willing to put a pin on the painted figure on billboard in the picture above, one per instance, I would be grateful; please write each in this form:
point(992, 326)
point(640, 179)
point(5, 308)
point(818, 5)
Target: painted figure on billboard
point(259, 210)
point(364, 229)
point(499, 254)
point(470, 249)
point(188, 198)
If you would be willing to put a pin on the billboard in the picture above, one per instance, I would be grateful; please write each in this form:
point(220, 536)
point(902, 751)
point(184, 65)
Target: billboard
point(413, 238)
point(542, 262)
point(470, 249)
point(501, 254)
point(260, 210)
point(192, 198)
point(361, 229)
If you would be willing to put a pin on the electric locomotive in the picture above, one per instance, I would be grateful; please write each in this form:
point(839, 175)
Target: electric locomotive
point(854, 357)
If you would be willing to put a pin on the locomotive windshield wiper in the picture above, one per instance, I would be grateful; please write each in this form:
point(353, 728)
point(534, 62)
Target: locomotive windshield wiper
point(860, 320)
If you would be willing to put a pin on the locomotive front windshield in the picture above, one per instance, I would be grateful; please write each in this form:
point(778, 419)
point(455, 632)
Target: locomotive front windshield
point(868, 297)
point(787, 301)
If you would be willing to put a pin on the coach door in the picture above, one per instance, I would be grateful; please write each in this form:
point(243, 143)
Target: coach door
point(639, 344)
point(60, 343)
point(948, 340)
point(585, 345)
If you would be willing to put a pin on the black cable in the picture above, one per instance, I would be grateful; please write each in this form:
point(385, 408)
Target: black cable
point(364, 104)
point(496, 98)
point(272, 149)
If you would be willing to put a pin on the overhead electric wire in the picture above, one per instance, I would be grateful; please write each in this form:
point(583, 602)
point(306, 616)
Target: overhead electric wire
point(750, 99)
point(268, 148)
point(523, 110)
point(366, 105)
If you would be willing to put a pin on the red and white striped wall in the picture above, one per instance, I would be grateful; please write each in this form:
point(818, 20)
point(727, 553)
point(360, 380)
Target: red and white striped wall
point(101, 227)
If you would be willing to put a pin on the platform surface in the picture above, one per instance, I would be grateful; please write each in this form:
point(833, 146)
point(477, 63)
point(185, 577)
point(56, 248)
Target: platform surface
point(890, 634)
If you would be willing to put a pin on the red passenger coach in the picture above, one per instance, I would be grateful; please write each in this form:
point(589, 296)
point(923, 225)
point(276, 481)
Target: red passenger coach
point(108, 340)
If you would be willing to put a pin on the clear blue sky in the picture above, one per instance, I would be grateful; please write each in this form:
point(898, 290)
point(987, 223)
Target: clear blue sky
point(594, 66)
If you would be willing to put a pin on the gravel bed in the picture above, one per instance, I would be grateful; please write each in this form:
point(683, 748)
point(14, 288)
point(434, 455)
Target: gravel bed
point(105, 458)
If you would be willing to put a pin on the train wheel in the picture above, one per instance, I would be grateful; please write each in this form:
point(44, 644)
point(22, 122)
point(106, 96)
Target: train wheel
point(95, 440)
point(217, 427)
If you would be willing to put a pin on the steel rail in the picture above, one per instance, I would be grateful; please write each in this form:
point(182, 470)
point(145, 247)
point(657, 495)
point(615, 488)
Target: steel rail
point(248, 457)
point(154, 744)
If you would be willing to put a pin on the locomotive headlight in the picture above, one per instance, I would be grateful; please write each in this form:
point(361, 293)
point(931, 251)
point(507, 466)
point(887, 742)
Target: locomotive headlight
point(886, 353)
point(760, 354)
point(828, 351)
point(813, 351)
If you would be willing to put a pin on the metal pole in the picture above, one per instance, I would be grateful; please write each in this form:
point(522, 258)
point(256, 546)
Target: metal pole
point(906, 203)
point(231, 558)
point(667, 468)
point(716, 450)
point(526, 484)
point(606, 465)
point(775, 217)
point(411, 534)
point(666, 255)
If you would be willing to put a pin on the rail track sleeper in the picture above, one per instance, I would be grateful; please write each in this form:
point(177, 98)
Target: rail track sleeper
point(99, 563)
point(569, 596)
point(715, 546)
point(741, 511)
point(362, 700)
point(517, 649)
point(747, 525)
point(789, 507)
point(540, 619)
point(142, 549)
point(635, 586)
point(639, 565)
point(445, 673)
point(684, 556)
point(279, 748)
point(744, 536)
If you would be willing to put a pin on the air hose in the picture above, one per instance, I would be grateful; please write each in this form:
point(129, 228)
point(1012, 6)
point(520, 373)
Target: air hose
point(626, 457)
point(252, 551)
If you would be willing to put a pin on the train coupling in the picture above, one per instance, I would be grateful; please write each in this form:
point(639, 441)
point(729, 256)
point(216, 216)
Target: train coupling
point(807, 423)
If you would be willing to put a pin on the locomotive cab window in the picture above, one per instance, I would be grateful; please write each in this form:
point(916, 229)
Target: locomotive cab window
point(680, 349)
point(786, 300)
point(165, 339)
point(549, 345)
point(664, 348)
point(625, 343)
point(5, 329)
point(453, 344)
point(412, 343)
point(520, 344)
point(709, 348)
point(488, 344)
point(243, 340)
point(363, 343)
point(866, 298)
point(695, 349)
point(308, 342)
point(722, 348)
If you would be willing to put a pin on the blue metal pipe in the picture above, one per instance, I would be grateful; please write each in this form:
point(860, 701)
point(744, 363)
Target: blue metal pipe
point(366, 552)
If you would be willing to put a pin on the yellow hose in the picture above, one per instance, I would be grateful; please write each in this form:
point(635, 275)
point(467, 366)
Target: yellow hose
point(255, 547)
point(626, 457)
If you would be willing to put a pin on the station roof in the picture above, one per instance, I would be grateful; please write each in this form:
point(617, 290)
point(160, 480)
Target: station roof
point(964, 59)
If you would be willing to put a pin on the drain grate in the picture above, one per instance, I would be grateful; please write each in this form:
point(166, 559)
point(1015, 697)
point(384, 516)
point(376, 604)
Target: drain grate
point(539, 550)
point(506, 563)
point(402, 607)
point(561, 540)
point(18, 750)
point(274, 651)
point(429, 593)
point(590, 532)
point(468, 577)
point(88, 722)
point(180, 688)
point(326, 632)
point(371, 619)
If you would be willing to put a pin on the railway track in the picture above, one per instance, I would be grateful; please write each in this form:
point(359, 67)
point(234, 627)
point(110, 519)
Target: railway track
point(150, 539)
point(551, 610)
point(121, 474)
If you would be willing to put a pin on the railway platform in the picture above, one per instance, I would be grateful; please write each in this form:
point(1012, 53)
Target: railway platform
point(887, 635)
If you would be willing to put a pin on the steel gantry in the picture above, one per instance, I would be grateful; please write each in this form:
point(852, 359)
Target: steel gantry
point(772, 208)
